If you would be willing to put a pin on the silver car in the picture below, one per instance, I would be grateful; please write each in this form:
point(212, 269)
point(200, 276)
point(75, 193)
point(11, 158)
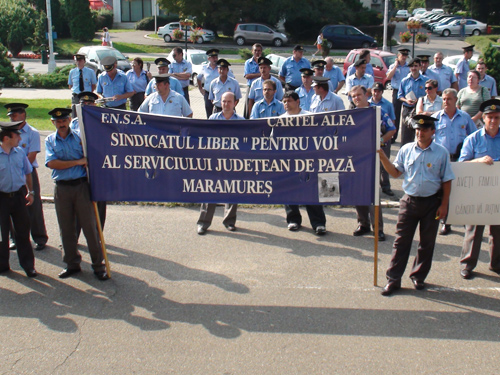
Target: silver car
point(247, 33)
point(472, 27)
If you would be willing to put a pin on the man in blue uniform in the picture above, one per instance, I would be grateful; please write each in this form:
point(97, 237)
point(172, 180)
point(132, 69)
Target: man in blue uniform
point(290, 70)
point(165, 101)
point(359, 78)
point(209, 72)
point(162, 64)
point(426, 169)
point(80, 79)
point(446, 76)
point(14, 197)
point(306, 91)
point(64, 155)
point(182, 70)
point(335, 74)
point(256, 93)
point(114, 84)
point(251, 72)
point(396, 72)
point(324, 100)
point(30, 143)
point(207, 210)
point(364, 55)
point(269, 106)
point(482, 146)
point(223, 83)
point(425, 71)
point(486, 80)
point(462, 68)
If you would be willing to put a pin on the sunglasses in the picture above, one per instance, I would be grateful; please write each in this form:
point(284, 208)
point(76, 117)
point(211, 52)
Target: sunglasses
point(429, 88)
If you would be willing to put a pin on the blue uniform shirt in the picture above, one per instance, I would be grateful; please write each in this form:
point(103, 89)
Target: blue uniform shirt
point(30, 141)
point(257, 94)
point(69, 148)
point(445, 75)
point(386, 106)
point(480, 144)
point(335, 75)
point(217, 89)
point(118, 86)
point(409, 84)
point(352, 69)
point(401, 72)
point(424, 171)
point(220, 116)
point(291, 70)
point(262, 109)
point(386, 124)
point(366, 81)
point(490, 83)
point(462, 69)
point(138, 83)
point(182, 67)
point(14, 167)
point(209, 74)
point(251, 67)
point(431, 75)
point(450, 132)
point(175, 105)
point(89, 79)
point(174, 85)
point(332, 102)
point(305, 97)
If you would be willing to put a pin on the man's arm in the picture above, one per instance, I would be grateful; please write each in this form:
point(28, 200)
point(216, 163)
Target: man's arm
point(32, 156)
point(65, 164)
point(29, 184)
point(388, 166)
point(442, 211)
point(390, 73)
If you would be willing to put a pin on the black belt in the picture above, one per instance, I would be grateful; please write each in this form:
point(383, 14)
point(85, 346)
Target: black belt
point(75, 182)
point(434, 196)
point(11, 194)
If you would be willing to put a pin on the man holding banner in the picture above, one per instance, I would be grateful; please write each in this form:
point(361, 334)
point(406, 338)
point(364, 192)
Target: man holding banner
point(427, 174)
point(64, 155)
point(207, 210)
point(483, 146)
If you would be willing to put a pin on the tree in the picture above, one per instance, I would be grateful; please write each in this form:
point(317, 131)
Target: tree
point(491, 57)
point(81, 25)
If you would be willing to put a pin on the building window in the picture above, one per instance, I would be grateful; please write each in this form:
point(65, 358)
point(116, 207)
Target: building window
point(135, 10)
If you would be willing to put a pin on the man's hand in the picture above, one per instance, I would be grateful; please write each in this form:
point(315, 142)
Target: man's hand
point(442, 212)
point(485, 159)
point(30, 199)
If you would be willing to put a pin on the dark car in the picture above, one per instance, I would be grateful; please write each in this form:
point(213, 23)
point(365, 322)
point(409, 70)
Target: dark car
point(95, 54)
point(345, 36)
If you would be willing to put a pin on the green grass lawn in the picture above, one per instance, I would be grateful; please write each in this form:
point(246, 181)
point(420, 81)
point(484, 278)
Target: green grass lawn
point(37, 111)
point(482, 42)
point(71, 46)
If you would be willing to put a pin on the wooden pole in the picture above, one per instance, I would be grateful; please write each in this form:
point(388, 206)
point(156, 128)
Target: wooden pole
point(101, 237)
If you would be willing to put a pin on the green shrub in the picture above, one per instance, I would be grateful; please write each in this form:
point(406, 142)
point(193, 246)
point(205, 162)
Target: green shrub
point(58, 79)
point(491, 57)
point(246, 53)
point(148, 23)
point(102, 18)
point(8, 75)
point(81, 25)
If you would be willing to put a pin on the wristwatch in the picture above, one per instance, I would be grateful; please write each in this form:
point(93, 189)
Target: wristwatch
point(32, 192)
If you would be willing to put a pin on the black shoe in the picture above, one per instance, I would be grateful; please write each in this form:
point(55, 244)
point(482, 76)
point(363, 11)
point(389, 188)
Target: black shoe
point(445, 229)
point(320, 230)
point(67, 272)
point(101, 275)
point(381, 236)
point(293, 227)
point(31, 273)
point(466, 274)
point(360, 231)
point(230, 228)
point(201, 231)
point(12, 245)
point(390, 288)
point(39, 246)
point(419, 285)
point(388, 192)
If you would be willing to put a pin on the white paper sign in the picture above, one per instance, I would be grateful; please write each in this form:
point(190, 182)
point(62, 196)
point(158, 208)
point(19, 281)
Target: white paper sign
point(475, 194)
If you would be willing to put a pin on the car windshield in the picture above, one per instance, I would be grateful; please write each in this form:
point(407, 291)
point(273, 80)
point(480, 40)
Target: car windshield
point(389, 60)
point(198, 59)
point(110, 52)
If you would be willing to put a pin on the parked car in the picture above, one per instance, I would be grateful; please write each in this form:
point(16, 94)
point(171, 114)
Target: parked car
point(196, 57)
point(248, 33)
point(380, 60)
point(402, 15)
point(95, 54)
point(277, 61)
point(345, 36)
point(167, 33)
point(472, 27)
point(420, 15)
point(444, 21)
point(418, 10)
point(452, 61)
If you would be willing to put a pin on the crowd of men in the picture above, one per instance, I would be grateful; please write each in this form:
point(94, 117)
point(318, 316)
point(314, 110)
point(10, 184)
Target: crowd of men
point(428, 137)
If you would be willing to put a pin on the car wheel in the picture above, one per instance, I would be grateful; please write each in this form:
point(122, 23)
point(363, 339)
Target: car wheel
point(277, 42)
point(476, 32)
point(446, 32)
point(388, 85)
point(195, 79)
point(365, 45)
point(167, 38)
point(240, 41)
point(329, 44)
point(200, 40)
